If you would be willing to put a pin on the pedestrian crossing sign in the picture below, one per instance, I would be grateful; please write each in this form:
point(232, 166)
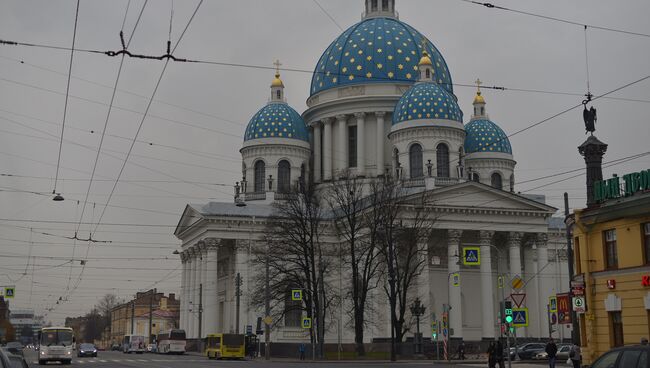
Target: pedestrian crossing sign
point(10, 292)
point(296, 295)
point(520, 317)
point(471, 256)
point(306, 322)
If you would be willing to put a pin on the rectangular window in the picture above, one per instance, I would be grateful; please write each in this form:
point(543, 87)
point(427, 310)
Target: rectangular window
point(645, 229)
point(352, 146)
point(616, 326)
point(611, 253)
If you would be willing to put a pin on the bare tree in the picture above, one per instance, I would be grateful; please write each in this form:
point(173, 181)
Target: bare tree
point(346, 199)
point(297, 259)
point(401, 231)
point(105, 305)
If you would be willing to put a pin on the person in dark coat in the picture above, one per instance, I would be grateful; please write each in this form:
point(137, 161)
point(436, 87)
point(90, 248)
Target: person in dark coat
point(551, 350)
point(461, 350)
point(492, 361)
point(498, 354)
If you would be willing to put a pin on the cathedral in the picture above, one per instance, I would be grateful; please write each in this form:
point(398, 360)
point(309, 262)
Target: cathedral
point(381, 104)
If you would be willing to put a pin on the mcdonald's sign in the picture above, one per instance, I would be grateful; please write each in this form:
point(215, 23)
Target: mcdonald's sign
point(563, 308)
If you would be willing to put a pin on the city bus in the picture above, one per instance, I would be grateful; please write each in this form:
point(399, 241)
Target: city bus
point(55, 345)
point(171, 342)
point(226, 346)
point(133, 344)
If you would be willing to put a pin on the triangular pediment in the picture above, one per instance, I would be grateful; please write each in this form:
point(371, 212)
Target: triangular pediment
point(189, 218)
point(478, 196)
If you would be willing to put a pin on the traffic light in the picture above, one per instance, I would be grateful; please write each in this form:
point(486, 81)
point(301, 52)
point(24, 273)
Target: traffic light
point(434, 329)
point(507, 311)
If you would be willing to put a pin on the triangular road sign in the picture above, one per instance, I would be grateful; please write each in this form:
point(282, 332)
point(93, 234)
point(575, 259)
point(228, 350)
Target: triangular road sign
point(518, 299)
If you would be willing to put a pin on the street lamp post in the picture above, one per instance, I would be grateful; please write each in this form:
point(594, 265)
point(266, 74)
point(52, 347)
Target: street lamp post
point(417, 309)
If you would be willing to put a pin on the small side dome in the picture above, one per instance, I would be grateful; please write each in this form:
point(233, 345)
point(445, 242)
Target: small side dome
point(479, 99)
point(425, 60)
point(427, 101)
point(486, 136)
point(277, 120)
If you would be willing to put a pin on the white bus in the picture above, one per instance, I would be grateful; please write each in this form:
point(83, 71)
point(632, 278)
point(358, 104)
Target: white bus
point(55, 345)
point(133, 344)
point(171, 342)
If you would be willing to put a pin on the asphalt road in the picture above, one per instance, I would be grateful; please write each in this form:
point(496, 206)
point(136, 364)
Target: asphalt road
point(117, 359)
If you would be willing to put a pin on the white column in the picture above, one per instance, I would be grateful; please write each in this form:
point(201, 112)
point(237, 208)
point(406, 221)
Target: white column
point(453, 257)
point(210, 287)
point(380, 142)
point(197, 288)
point(204, 282)
point(514, 250)
point(487, 289)
point(544, 289)
point(361, 143)
point(317, 153)
point(341, 162)
point(183, 317)
point(191, 316)
point(327, 149)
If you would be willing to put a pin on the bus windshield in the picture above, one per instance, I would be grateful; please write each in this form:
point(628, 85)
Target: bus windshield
point(177, 335)
point(56, 337)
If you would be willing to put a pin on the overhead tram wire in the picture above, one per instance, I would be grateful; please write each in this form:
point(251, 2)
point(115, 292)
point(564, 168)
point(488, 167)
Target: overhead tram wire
point(329, 15)
point(65, 106)
point(555, 19)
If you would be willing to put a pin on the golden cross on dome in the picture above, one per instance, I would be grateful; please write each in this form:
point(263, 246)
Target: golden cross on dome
point(277, 65)
point(478, 84)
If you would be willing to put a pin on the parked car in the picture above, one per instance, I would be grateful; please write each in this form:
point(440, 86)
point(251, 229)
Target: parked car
point(87, 350)
point(116, 347)
point(624, 357)
point(562, 353)
point(526, 351)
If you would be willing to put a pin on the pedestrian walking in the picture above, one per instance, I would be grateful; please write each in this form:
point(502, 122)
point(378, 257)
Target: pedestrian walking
point(644, 341)
point(301, 350)
point(551, 350)
point(492, 361)
point(498, 354)
point(575, 356)
point(461, 350)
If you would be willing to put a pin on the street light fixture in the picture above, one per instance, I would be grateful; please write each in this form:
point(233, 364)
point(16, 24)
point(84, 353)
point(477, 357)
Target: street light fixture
point(417, 309)
point(57, 197)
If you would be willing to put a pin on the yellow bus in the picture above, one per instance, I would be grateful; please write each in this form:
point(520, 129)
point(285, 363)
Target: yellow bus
point(225, 346)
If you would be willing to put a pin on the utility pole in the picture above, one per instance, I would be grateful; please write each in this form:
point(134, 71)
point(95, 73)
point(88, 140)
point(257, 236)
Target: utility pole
point(238, 284)
point(267, 310)
point(152, 293)
point(132, 316)
point(575, 335)
point(200, 308)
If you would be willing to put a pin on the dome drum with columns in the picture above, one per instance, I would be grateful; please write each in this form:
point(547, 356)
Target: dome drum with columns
point(381, 103)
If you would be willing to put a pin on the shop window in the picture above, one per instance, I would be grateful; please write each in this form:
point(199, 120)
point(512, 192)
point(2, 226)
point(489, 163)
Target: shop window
point(646, 242)
point(616, 327)
point(611, 251)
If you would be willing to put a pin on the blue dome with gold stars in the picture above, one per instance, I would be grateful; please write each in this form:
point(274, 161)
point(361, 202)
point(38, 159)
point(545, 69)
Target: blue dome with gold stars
point(277, 120)
point(485, 136)
point(427, 100)
point(377, 50)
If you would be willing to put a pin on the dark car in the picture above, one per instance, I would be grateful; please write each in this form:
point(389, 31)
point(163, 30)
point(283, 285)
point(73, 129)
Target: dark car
point(528, 351)
point(11, 360)
point(87, 350)
point(625, 357)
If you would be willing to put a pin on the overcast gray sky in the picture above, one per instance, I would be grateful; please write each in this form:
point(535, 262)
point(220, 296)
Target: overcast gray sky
point(194, 157)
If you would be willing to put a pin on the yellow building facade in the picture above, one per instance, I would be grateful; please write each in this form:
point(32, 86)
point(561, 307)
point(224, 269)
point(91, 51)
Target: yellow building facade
point(612, 256)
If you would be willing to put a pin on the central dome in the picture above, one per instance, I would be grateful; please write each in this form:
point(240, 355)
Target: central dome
point(377, 50)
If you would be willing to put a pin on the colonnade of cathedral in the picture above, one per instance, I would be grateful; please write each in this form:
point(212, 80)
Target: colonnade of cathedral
point(330, 161)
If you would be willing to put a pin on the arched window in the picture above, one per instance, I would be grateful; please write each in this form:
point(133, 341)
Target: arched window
point(260, 174)
point(497, 182)
point(373, 5)
point(474, 177)
point(384, 5)
point(284, 176)
point(415, 161)
point(442, 161)
point(512, 183)
point(279, 94)
point(428, 74)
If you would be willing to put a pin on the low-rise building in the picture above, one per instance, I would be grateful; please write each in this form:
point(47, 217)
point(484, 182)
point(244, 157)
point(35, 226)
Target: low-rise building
point(612, 255)
point(132, 317)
